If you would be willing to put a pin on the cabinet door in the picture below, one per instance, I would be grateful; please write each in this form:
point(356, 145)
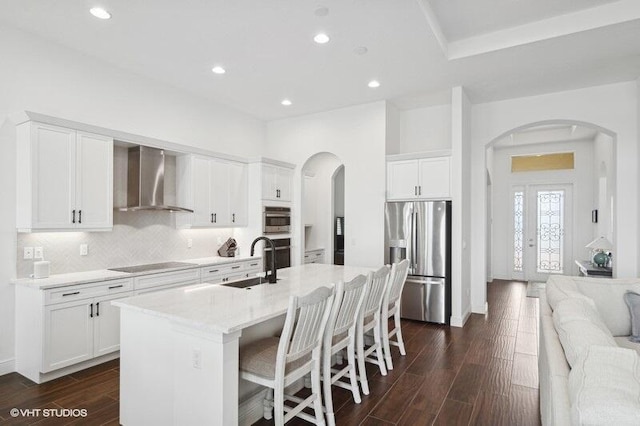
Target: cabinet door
point(94, 181)
point(53, 162)
point(106, 325)
point(402, 180)
point(238, 195)
point(68, 334)
point(201, 192)
point(220, 193)
point(284, 183)
point(435, 178)
point(269, 179)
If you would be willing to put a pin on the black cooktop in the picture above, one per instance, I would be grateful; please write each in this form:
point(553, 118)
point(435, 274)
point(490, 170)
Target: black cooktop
point(152, 267)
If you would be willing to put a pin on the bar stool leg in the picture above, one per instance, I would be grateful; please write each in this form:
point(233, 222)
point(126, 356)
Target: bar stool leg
point(316, 388)
point(353, 378)
point(362, 371)
point(396, 320)
point(385, 342)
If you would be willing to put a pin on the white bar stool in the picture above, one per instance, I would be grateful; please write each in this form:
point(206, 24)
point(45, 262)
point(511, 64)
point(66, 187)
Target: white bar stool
point(391, 308)
point(369, 319)
point(278, 362)
point(340, 334)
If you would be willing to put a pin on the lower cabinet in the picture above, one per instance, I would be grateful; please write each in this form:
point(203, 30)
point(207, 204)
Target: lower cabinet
point(79, 331)
point(314, 256)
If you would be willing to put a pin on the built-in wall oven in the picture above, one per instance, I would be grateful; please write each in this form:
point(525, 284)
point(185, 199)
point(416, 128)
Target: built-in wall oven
point(277, 220)
point(283, 253)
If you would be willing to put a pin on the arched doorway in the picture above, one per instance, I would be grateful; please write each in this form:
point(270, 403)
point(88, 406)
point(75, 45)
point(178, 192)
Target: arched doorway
point(545, 212)
point(322, 207)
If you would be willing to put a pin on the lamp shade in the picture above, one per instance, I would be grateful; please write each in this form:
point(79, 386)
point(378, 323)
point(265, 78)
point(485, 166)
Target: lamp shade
point(600, 243)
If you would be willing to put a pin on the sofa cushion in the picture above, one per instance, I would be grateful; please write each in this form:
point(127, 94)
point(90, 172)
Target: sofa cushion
point(604, 387)
point(558, 288)
point(632, 299)
point(624, 342)
point(579, 326)
point(608, 295)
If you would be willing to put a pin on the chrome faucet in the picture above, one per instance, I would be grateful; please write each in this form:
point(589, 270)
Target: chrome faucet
point(272, 278)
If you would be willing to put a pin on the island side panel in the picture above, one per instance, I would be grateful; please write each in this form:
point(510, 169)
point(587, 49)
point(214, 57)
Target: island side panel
point(206, 373)
point(146, 365)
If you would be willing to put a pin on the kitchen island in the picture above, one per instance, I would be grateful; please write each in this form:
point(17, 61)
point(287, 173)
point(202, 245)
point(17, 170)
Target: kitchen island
point(179, 349)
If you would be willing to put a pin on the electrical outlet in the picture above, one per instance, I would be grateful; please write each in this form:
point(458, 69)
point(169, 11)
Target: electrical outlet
point(38, 253)
point(189, 243)
point(28, 253)
point(197, 359)
point(84, 249)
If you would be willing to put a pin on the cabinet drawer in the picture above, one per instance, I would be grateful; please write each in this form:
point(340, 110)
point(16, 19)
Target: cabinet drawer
point(167, 287)
point(87, 291)
point(167, 278)
point(214, 274)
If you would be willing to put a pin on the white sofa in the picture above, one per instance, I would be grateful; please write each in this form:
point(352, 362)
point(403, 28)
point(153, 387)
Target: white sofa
point(593, 322)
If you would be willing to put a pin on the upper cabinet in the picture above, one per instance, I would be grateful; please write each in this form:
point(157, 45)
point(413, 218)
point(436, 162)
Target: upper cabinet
point(65, 179)
point(215, 189)
point(277, 182)
point(419, 179)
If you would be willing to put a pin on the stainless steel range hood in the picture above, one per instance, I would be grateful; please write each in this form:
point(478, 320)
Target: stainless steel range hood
point(145, 185)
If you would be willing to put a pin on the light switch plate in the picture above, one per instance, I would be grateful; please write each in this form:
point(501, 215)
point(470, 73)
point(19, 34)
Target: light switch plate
point(38, 253)
point(84, 249)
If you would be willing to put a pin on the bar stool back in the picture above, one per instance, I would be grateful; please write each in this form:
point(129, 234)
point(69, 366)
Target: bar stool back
point(278, 362)
point(340, 334)
point(369, 319)
point(391, 308)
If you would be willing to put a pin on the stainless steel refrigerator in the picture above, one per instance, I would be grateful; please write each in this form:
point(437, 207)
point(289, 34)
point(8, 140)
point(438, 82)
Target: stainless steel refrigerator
point(420, 231)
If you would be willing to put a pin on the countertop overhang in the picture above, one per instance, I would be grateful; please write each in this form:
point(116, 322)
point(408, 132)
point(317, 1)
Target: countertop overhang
point(224, 309)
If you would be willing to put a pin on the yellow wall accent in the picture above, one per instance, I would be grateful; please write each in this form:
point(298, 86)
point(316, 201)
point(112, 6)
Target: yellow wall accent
point(533, 163)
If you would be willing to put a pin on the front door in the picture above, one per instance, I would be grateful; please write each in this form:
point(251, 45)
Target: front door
point(541, 231)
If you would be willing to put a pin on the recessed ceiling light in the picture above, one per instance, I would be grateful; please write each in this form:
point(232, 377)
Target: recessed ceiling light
point(286, 102)
point(100, 13)
point(321, 38)
point(361, 50)
point(321, 11)
point(373, 84)
point(218, 70)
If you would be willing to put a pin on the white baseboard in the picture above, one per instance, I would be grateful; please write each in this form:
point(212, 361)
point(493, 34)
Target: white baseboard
point(7, 366)
point(481, 309)
point(460, 321)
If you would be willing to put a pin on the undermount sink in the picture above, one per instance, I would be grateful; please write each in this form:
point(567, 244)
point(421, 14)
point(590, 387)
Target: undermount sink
point(249, 282)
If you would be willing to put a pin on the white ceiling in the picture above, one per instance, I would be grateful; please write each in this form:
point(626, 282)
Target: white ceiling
point(467, 18)
point(267, 47)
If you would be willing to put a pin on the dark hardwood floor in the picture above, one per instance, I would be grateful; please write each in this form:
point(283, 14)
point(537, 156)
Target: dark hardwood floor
point(485, 373)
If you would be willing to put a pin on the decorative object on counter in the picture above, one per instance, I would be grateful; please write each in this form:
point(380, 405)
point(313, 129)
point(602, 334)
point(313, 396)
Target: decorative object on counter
point(600, 251)
point(41, 269)
point(228, 249)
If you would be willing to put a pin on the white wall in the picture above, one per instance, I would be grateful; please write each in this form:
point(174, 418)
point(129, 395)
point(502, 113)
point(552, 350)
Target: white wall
point(460, 206)
point(338, 204)
point(582, 179)
point(605, 185)
point(40, 76)
point(612, 107)
point(425, 129)
point(356, 135)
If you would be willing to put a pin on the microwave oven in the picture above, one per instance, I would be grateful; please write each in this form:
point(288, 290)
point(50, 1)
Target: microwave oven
point(277, 220)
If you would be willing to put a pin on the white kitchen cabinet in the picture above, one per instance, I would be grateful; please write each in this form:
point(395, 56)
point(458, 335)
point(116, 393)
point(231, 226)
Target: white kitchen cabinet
point(68, 334)
point(277, 183)
point(64, 179)
point(217, 274)
point(419, 179)
point(79, 323)
point(215, 189)
point(314, 256)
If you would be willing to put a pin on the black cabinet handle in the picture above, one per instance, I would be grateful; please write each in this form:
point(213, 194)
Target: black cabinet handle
point(70, 294)
point(415, 190)
point(215, 217)
point(74, 216)
point(98, 309)
point(91, 314)
point(420, 190)
point(79, 216)
point(253, 264)
point(233, 217)
point(115, 286)
point(211, 217)
point(235, 267)
point(215, 270)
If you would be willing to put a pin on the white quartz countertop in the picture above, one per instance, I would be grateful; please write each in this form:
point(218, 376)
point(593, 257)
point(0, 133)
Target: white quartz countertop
point(228, 309)
point(74, 278)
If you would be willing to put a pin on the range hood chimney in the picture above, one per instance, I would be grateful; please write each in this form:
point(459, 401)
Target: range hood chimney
point(145, 186)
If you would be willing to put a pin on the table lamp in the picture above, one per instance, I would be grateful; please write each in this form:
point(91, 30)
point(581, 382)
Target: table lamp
point(600, 248)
